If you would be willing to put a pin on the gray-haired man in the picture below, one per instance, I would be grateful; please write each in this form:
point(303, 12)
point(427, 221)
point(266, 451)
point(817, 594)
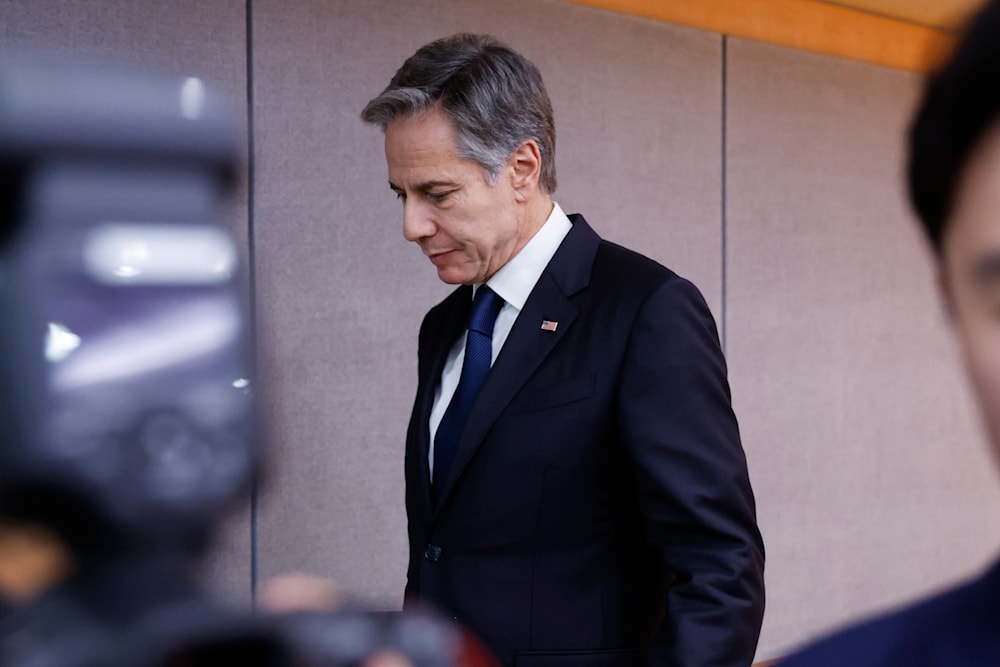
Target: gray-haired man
point(577, 492)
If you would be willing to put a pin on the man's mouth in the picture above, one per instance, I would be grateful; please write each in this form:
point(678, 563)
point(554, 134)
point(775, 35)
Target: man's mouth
point(438, 257)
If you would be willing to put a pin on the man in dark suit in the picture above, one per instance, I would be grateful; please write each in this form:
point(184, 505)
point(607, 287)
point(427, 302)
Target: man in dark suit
point(576, 489)
point(954, 181)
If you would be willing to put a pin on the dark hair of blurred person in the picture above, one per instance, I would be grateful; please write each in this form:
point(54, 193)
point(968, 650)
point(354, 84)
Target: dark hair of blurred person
point(954, 179)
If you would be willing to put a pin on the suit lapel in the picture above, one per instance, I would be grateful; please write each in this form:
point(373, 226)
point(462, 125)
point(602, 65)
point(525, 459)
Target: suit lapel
point(528, 344)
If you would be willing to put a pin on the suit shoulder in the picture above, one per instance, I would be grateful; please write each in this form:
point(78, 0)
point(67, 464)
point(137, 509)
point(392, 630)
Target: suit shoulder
point(613, 256)
point(954, 628)
point(628, 271)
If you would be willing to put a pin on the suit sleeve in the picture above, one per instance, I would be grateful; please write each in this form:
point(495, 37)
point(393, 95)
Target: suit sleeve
point(412, 465)
point(683, 443)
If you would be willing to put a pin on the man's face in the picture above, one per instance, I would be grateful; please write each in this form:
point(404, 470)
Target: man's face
point(466, 227)
point(970, 272)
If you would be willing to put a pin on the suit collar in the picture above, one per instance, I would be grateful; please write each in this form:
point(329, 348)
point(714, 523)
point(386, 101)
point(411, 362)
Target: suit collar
point(571, 266)
point(517, 278)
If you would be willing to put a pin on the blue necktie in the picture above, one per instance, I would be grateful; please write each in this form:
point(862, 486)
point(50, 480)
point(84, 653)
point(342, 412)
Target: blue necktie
point(475, 368)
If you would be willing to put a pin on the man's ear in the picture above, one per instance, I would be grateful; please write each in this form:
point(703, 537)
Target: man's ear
point(526, 168)
point(945, 291)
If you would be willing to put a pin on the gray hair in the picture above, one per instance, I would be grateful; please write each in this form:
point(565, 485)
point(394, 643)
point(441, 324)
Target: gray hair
point(493, 95)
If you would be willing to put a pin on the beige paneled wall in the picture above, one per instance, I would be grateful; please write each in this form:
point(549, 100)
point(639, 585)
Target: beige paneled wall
point(872, 483)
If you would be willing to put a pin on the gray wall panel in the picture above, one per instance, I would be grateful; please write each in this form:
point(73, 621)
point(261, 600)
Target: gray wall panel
point(341, 294)
point(872, 481)
point(871, 478)
point(204, 38)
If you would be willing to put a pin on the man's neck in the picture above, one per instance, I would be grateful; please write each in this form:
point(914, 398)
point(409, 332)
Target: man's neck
point(539, 208)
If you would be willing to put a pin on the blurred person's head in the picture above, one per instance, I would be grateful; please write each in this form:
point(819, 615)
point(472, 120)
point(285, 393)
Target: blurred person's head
point(470, 146)
point(954, 181)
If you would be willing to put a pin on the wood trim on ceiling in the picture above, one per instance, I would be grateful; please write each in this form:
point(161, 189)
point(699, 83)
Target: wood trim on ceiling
point(807, 25)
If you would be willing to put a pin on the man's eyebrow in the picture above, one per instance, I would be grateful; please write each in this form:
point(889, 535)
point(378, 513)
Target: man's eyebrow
point(986, 270)
point(426, 186)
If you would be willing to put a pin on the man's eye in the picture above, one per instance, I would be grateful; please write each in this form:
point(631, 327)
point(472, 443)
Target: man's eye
point(400, 196)
point(437, 197)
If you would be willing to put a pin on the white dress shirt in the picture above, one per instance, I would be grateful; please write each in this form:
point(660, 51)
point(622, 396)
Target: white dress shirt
point(513, 283)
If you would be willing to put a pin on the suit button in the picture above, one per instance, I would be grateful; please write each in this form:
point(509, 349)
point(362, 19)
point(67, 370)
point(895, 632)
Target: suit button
point(432, 553)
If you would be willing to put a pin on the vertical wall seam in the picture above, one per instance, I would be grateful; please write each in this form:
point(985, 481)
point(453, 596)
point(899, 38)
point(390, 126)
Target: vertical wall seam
point(252, 278)
point(725, 171)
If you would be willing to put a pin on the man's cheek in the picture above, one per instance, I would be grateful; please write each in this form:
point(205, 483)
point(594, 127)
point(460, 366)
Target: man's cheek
point(984, 365)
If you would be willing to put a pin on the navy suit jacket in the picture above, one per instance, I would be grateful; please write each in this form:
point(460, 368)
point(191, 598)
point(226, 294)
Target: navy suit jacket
point(598, 510)
point(959, 628)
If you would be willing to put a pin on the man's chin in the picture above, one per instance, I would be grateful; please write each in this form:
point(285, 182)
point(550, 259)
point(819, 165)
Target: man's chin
point(449, 276)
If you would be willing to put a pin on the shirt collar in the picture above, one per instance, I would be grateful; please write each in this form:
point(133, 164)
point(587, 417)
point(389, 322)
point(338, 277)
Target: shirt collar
point(515, 279)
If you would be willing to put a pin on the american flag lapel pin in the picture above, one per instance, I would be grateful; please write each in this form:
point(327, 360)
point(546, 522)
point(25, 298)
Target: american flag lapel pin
point(549, 325)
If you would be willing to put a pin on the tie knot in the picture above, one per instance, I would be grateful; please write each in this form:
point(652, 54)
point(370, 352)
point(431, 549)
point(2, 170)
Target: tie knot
point(485, 308)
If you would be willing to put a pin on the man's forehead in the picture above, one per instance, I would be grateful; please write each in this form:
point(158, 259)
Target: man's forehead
point(421, 167)
point(420, 138)
point(428, 124)
point(422, 153)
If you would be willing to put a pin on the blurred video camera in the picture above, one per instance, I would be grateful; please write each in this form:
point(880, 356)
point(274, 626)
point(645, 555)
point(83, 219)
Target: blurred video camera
point(126, 409)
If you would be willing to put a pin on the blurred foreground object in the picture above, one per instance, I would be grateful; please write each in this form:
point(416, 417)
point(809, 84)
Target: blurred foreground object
point(298, 591)
point(126, 402)
point(136, 408)
point(954, 187)
point(124, 373)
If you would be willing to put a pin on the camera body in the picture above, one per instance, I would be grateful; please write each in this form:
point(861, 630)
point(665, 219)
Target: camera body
point(126, 382)
point(125, 369)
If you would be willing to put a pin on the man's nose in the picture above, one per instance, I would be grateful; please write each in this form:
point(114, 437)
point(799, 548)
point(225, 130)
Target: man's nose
point(417, 223)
